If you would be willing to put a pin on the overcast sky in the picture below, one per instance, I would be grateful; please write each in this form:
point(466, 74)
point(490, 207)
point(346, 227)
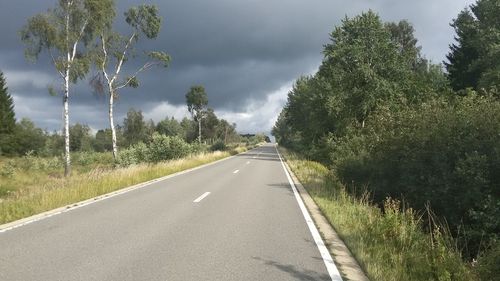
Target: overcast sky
point(246, 53)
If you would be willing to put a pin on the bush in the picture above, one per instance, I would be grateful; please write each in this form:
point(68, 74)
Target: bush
point(135, 154)
point(219, 145)
point(443, 154)
point(32, 162)
point(160, 148)
point(488, 263)
point(164, 148)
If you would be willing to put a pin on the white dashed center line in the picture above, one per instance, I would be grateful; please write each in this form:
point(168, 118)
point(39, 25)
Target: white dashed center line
point(235, 172)
point(197, 200)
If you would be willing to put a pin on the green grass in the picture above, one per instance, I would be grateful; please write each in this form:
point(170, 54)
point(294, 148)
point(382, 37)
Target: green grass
point(390, 245)
point(40, 187)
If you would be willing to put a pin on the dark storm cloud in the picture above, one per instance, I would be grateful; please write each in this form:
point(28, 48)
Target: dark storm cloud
point(243, 52)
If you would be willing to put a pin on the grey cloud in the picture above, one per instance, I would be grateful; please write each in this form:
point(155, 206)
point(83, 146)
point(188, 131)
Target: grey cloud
point(241, 51)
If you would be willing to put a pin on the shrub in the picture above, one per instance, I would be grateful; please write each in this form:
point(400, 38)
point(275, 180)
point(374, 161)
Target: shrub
point(446, 154)
point(163, 148)
point(160, 148)
point(8, 169)
point(135, 154)
point(219, 145)
point(488, 263)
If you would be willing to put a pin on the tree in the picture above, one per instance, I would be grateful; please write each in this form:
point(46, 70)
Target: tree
point(474, 60)
point(402, 34)
point(197, 101)
point(28, 137)
point(169, 127)
point(226, 132)
point(7, 115)
point(209, 130)
point(102, 141)
point(117, 49)
point(135, 129)
point(60, 32)
point(7, 118)
point(364, 67)
point(189, 129)
point(80, 137)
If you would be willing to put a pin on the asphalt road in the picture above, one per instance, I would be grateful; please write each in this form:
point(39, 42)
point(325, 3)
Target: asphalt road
point(249, 227)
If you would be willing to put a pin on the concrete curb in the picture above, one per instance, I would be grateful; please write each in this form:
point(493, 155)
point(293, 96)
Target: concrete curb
point(347, 265)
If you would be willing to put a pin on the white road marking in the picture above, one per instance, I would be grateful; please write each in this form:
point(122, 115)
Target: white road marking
point(197, 200)
point(248, 162)
point(235, 172)
point(325, 254)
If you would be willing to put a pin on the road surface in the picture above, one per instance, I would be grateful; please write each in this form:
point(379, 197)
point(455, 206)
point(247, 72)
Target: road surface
point(237, 219)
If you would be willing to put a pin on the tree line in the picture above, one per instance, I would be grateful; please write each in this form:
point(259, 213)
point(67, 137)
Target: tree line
point(19, 138)
point(388, 121)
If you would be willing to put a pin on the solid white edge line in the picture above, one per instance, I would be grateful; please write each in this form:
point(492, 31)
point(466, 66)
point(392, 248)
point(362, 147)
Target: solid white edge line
point(197, 200)
point(70, 207)
point(325, 254)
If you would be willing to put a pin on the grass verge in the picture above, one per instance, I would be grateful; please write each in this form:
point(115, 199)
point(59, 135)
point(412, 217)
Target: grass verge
point(48, 192)
point(390, 245)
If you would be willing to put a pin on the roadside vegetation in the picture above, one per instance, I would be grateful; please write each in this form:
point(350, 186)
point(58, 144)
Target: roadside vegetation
point(400, 138)
point(399, 243)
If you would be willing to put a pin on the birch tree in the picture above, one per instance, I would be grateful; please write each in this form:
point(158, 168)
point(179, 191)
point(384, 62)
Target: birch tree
point(197, 101)
point(116, 49)
point(63, 33)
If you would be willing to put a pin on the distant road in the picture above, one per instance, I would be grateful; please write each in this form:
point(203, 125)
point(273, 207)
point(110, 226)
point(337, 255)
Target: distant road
point(235, 220)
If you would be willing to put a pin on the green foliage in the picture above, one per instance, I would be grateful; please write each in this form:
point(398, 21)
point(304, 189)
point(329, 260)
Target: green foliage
point(487, 264)
point(161, 148)
point(365, 65)
point(102, 141)
point(473, 61)
point(135, 129)
point(30, 162)
point(196, 100)
point(49, 32)
point(7, 119)
point(190, 130)
point(170, 127)
point(385, 120)
point(80, 138)
point(7, 115)
point(390, 245)
point(28, 137)
point(219, 145)
point(7, 171)
point(134, 154)
point(144, 18)
point(443, 154)
point(162, 57)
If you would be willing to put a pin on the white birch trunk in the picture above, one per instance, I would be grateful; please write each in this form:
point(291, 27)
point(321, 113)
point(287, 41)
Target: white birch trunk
point(112, 124)
point(67, 157)
point(199, 130)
